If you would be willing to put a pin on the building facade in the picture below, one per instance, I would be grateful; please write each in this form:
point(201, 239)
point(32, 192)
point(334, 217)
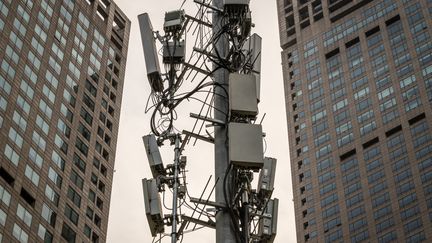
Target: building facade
point(358, 89)
point(62, 68)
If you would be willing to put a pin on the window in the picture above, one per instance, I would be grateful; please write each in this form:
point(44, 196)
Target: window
point(413, 225)
point(410, 212)
point(3, 217)
point(84, 131)
point(32, 175)
point(15, 137)
point(400, 164)
point(71, 214)
point(331, 224)
point(354, 200)
point(385, 93)
point(326, 176)
point(61, 144)
point(330, 211)
point(19, 234)
point(407, 200)
point(352, 163)
point(55, 177)
point(380, 227)
point(28, 90)
point(38, 140)
point(49, 215)
point(403, 175)
point(58, 160)
point(323, 151)
point(86, 116)
point(52, 195)
point(380, 200)
point(327, 188)
point(419, 237)
point(24, 215)
point(42, 124)
point(81, 146)
point(382, 212)
point(5, 196)
point(425, 164)
point(44, 234)
point(351, 176)
point(49, 94)
point(22, 103)
point(11, 155)
point(360, 236)
point(74, 197)
point(378, 188)
point(353, 227)
point(68, 234)
point(356, 212)
point(329, 199)
point(45, 108)
point(373, 165)
point(352, 188)
point(77, 180)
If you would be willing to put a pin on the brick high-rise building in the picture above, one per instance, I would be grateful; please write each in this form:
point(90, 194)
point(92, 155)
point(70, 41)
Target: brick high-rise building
point(62, 68)
point(358, 89)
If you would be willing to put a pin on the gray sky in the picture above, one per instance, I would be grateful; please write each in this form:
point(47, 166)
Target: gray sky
point(127, 222)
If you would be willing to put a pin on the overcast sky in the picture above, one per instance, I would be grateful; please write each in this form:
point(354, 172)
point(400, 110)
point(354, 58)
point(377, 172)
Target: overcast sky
point(127, 221)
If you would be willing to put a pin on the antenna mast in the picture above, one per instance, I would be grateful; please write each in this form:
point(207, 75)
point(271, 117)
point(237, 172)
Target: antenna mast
point(224, 228)
point(239, 214)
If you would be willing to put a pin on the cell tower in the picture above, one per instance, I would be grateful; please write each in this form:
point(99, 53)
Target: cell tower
point(221, 30)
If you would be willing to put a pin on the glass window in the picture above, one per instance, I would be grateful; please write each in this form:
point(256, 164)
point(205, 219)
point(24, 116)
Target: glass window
point(3, 217)
point(24, 215)
point(407, 200)
point(45, 108)
point(5, 196)
point(19, 234)
point(76, 179)
point(356, 212)
point(55, 177)
point(71, 214)
point(380, 200)
point(52, 195)
point(11, 155)
point(49, 215)
point(380, 227)
point(44, 234)
point(382, 212)
point(413, 225)
point(68, 234)
point(42, 124)
point(32, 175)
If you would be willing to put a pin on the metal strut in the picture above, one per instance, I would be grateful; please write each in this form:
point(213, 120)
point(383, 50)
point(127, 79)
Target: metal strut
point(177, 153)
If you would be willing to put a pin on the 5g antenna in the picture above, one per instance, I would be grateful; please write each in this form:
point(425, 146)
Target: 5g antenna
point(224, 70)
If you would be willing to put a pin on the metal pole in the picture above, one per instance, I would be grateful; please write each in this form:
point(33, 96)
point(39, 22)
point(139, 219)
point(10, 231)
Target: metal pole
point(175, 189)
point(224, 229)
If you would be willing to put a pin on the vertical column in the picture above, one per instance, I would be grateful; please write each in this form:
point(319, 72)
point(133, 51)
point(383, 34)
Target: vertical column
point(224, 231)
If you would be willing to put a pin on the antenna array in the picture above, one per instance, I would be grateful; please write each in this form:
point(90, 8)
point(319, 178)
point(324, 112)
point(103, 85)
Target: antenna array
point(231, 85)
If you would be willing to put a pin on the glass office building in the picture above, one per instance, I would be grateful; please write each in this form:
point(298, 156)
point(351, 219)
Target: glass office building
point(358, 89)
point(62, 65)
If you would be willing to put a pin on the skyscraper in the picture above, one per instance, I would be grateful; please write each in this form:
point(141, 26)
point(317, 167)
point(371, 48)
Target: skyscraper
point(61, 79)
point(358, 89)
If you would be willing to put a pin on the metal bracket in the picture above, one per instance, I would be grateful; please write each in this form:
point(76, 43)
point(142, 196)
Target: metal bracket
point(210, 223)
point(205, 53)
point(208, 119)
point(205, 72)
point(194, 135)
point(209, 6)
point(207, 203)
point(199, 21)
